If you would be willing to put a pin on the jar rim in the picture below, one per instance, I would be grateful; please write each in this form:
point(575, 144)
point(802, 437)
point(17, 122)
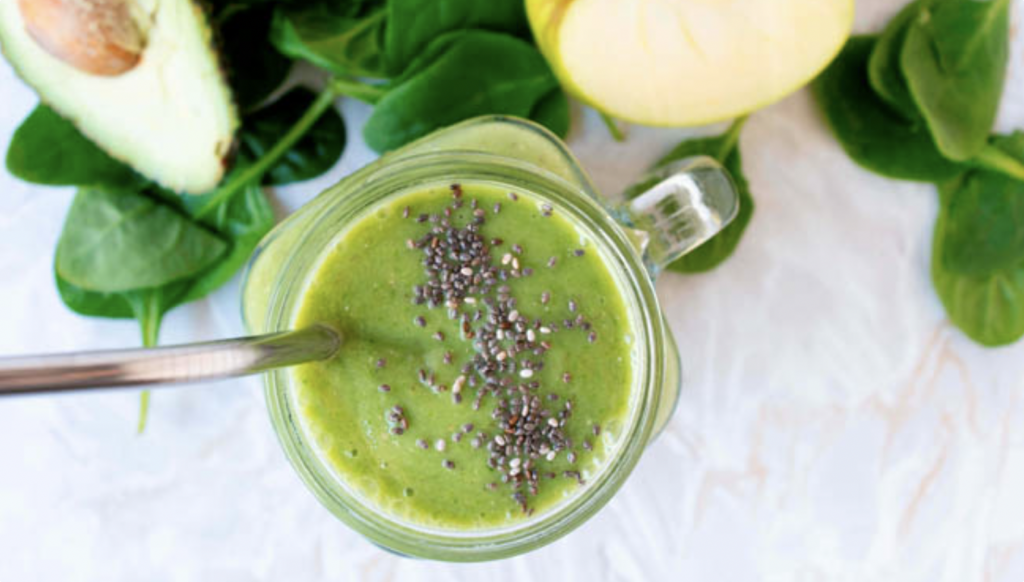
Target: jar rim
point(358, 194)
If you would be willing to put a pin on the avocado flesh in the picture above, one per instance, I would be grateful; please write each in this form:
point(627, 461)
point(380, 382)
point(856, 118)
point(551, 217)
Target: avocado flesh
point(170, 117)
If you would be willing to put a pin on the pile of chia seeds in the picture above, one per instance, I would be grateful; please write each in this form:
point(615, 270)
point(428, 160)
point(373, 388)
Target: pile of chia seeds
point(464, 279)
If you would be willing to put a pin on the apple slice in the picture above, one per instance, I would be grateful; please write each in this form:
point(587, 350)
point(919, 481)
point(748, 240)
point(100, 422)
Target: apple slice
point(687, 62)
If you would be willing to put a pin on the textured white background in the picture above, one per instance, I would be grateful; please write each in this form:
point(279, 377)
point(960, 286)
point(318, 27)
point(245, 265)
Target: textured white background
point(834, 426)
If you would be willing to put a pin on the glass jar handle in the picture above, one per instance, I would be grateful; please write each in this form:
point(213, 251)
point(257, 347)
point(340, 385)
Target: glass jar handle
point(691, 201)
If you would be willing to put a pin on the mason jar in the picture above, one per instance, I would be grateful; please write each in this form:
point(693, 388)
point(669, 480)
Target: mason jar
point(689, 203)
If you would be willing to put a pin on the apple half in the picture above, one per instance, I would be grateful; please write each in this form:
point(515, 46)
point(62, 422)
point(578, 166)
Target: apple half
point(687, 62)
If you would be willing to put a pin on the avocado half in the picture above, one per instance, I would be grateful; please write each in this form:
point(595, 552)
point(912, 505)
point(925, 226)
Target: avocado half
point(170, 115)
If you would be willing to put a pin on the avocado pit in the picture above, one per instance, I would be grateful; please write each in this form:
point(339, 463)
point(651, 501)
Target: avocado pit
point(99, 37)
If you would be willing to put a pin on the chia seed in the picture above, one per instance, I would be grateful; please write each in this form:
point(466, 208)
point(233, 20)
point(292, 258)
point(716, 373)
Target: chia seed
point(460, 270)
point(578, 252)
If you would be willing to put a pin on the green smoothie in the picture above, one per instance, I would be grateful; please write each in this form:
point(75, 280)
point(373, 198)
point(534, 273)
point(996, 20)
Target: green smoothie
point(486, 372)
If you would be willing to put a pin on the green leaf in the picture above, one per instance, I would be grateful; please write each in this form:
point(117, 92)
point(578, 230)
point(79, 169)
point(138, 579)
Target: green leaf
point(255, 69)
point(725, 149)
point(314, 153)
point(333, 37)
point(244, 220)
point(552, 111)
point(48, 149)
point(985, 223)
point(478, 73)
point(978, 251)
point(884, 64)
point(414, 24)
point(954, 59)
point(92, 303)
point(120, 305)
point(871, 133)
point(120, 241)
point(984, 216)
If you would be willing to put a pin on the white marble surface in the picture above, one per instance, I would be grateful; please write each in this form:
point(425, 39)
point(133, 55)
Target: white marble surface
point(834, 425)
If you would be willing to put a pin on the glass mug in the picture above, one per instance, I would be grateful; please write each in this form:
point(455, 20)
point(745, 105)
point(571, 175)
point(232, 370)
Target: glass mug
point(694, 200)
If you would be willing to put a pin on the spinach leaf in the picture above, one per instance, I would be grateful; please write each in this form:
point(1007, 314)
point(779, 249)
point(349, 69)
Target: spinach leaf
point(984, 230)
point(120, 241)
point(478, 73)
point(725, 149)
point(884, 64)
point(48, 149)
point(415, 24)
point(954, 59)
point(244, 220)
point(870, 132)
point(977, 252)
point(552, 111)
point(989, 308)
point(333, 36)
point(313, 154)
point(92, 303)
point(254, 68)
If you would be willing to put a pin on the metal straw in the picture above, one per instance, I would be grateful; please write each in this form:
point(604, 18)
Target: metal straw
point(166, 365)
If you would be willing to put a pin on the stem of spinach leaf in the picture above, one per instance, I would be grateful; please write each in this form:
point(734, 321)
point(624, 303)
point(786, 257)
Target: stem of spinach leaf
point(613, 129)
point(143, 410)
point(148, 313)
point(732, 135)
point(254, 172)
point(995, 159)
point(364, 92)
